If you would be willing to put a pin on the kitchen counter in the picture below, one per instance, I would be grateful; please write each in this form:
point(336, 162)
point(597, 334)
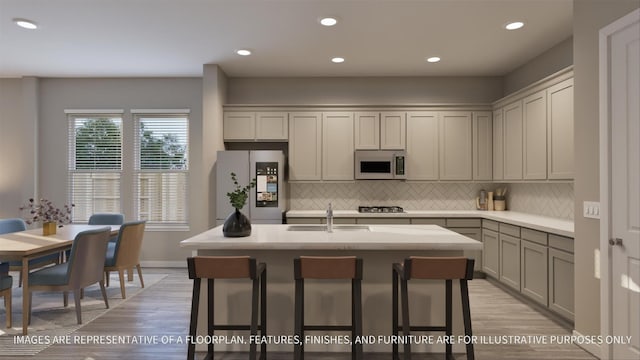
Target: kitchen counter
point(328, 301)
point(344, 237)
point(551, 225)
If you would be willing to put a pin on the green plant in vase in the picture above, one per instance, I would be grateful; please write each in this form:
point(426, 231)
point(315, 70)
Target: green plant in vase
point(237, 224)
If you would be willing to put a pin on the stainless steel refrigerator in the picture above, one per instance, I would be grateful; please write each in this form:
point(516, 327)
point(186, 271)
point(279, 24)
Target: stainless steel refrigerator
point(267, 201)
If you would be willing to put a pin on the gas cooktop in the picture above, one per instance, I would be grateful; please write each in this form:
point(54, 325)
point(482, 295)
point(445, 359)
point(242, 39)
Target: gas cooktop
point(380, 209)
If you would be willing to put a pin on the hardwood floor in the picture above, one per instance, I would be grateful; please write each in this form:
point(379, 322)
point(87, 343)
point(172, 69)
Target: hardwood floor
point(163, 310)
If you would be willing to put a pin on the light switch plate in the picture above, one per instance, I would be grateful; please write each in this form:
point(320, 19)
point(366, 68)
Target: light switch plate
point(591, 209)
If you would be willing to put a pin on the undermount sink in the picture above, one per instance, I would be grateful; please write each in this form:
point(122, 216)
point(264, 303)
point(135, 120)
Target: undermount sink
point(324, 228)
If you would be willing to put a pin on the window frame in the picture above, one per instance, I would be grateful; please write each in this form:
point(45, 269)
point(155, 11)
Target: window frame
point(137, 116)
point(72, 117)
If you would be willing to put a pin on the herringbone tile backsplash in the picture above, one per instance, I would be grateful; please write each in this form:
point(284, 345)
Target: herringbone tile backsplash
point(555, 200)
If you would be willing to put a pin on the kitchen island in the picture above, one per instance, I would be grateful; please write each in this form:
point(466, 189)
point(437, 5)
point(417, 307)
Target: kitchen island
point(328, 301)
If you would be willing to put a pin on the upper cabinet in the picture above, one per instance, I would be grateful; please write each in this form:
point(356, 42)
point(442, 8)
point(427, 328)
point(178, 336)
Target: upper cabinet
point(380, 130)
point(535, 136)
point(272, 126)
point(337, 146)
point(393, 130)
point(255, 126)
point(305, 146)
point(422, 161)
point(239, 125)
point(367, 131)
point(482, 145)
point(498, 144)
point(455, 145)
point(560, 130)
point(512, 132)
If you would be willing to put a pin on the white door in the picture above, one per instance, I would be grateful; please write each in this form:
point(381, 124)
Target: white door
point(621, 75)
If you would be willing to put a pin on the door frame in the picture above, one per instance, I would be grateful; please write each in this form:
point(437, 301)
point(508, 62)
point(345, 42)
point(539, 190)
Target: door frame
point(606, 288)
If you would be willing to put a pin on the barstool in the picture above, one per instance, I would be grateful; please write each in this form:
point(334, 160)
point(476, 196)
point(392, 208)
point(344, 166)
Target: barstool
point(344, 267)
point(228, 267)
point(436, 268)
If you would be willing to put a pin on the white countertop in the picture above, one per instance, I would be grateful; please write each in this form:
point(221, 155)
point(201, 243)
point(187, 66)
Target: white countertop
point(556, 226)
point(375, 237)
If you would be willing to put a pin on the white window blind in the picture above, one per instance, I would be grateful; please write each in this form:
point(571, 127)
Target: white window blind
point(95, 164)
point(162, 169)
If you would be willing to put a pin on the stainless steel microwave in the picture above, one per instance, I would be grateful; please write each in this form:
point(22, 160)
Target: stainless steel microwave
point(380, 165)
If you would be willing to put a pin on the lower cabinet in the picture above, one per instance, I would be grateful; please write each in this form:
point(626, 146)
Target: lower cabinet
point(490, 253)
point(561, 283)
point(476, 234)
point(510, 261)
point(533, 271)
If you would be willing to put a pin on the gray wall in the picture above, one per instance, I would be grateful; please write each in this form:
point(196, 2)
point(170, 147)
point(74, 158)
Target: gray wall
point(214, 94)
point(18, 143)
point(56, 95)
point(555, 59)
point(588, 18)
point(369, 90)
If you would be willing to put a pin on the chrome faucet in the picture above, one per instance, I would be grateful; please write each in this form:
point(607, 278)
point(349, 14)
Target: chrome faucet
point(329, 219)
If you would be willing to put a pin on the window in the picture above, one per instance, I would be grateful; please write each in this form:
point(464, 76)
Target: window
point(95, 163)
point(161, 169)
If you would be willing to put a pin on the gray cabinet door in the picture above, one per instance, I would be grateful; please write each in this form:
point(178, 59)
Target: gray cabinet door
point(475, 234)
point(510, 261)
point(533, 271)
point(490, 253)
point(561, 283)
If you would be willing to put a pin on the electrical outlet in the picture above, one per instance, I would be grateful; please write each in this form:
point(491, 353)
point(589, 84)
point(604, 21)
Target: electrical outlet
point(591, 209)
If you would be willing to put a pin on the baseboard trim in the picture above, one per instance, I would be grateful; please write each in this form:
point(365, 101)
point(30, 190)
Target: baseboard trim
point(164, 264)
point(593, 349)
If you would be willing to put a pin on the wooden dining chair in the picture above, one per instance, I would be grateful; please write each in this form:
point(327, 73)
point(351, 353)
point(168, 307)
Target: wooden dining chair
point(83, 269)
point(14, 225)
point(6, 282)
point(124, 254)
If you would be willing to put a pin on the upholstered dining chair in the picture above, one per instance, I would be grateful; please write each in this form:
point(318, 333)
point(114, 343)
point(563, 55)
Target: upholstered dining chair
point(6, 282)
point(124, 254)
point(107, 219)
point(15, 225)
point(84, 268)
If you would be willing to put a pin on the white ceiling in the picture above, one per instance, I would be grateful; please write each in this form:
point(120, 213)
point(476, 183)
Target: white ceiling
point(129, 38)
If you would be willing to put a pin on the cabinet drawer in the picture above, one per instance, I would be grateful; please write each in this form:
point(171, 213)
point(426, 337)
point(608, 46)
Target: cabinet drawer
point(534, 236)
point(510, 230)
point(469, 223)
point(490, 224)
point(380, 221)
point(429, 221)
point(561, 242)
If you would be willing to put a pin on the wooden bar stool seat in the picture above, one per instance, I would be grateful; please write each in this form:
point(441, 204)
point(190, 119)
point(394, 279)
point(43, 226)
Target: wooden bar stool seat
point(328, 268)
point(228, 267)
point(434, 268)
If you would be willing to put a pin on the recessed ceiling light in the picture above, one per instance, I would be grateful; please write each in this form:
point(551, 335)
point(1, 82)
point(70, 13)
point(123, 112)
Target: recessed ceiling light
point(433, 59)
point(243, 52)
point(27, 24)
point(337, 60)
point(514, 25)
point(328, 21)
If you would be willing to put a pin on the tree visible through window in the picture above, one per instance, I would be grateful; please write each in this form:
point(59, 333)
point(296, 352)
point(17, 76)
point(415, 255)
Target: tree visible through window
point(95, 164)
point(162, 168)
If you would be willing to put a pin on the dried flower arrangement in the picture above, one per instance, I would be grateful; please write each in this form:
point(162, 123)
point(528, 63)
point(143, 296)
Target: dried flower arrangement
point(46, 211)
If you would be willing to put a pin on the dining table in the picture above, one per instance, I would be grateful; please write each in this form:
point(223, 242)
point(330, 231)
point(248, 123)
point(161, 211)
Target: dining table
point(30, 244)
